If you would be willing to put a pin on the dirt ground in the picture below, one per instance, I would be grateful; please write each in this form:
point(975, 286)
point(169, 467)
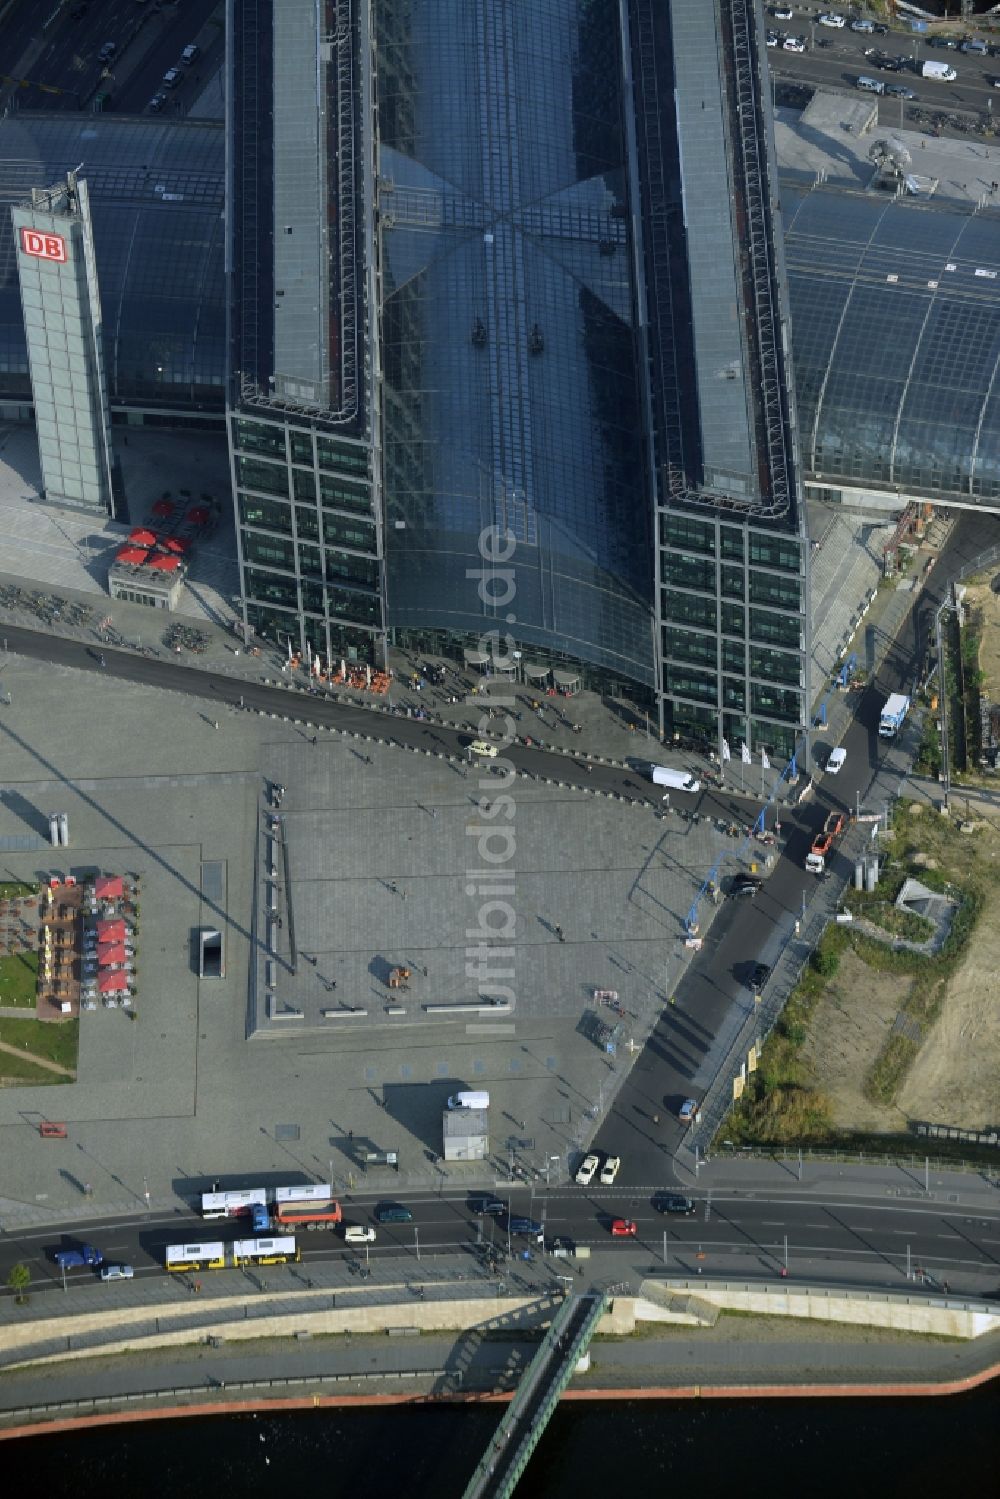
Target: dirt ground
point(980, 596)
point(956, 1076)
point(847, 1031)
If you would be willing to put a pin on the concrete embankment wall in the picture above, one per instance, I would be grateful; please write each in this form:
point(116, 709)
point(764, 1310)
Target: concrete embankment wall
point(90, 1335)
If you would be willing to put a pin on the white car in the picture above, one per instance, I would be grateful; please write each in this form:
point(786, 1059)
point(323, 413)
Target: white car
point(586, 1170)
point(117, 1272)
point(866, 27)
point(610, 1170)
point(835, 763)
point(357, 1233)
point(782, 12)
point(793, 44)
point(831, 18)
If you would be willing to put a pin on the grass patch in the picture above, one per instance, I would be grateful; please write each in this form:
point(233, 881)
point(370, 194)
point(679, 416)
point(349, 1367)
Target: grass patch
point(19, 980)
point(14, 890)
point(58, 1042)
point(879, 906)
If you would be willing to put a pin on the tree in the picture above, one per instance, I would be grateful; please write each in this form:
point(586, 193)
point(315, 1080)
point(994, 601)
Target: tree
point(19, 1277)
point(825, 961)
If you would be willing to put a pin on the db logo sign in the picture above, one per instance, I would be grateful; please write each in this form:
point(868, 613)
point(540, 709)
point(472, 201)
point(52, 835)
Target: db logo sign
point(45, 246)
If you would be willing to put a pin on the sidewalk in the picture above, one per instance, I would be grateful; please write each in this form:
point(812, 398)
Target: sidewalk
point(737, 1351)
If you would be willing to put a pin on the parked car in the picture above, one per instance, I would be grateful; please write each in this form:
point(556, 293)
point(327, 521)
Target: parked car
point(832, 18)
point(745, 884)
point(898, 91)
point(758, 976)
point(688, 1111)
point(519, 1225)
point(189, 54)
point(117, 1272)
point(773, 38)
point(610, 1170)
point(794, 44)
point(835, 761)
point(586, 1169)
point(862, 25)
point(623, 1228)
point(359, 1233)
point(669, 1203)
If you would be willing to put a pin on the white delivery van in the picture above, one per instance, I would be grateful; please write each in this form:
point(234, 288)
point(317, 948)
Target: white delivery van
point(942, 71)
point(675, 780)
point(469, 1101)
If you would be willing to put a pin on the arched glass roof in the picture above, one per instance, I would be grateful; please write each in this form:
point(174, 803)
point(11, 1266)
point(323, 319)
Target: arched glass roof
point(896, 341)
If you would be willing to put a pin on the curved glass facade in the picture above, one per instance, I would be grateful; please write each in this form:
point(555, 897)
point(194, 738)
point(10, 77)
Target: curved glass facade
point(896, 342)
point(157, 198)
point(509, 360)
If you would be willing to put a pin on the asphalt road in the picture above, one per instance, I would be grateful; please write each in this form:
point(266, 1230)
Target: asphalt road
point(57, 54)
point(835, 1238)
point(835, 59)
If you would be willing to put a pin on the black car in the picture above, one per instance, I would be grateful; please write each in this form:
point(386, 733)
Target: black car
point(671, 1204)
point(888, 64)
point(745, 884)
point(487, 1207)
point(943, 41)
point(561, 1244)
point(899, 91)
point(524, 1226)
point(758, 976)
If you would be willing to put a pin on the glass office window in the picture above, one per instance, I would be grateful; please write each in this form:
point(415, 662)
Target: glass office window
point(310, 562)
point(776, 702)
point(304, 481)
point(734, 656)
point(341, 455)
point(776, 666)
point(313, 597)
point(349, 533)
point(685, 645)
point(302, 447)
point(268, 588)
point(254, 473)
point(734, 619)
point(688, 572)
point(734, 694)
point(270, 551)
point(272, 515)
point(259, 437)
point(684, 531)
point(783, 593)
point(732, 539)
point(682, 682)
point(689, 609)
point(733, 582)
point(775, 629)
point(306, 523)
point(346, 567)
point(775, 551)
point(359, 607)
point(341, 494)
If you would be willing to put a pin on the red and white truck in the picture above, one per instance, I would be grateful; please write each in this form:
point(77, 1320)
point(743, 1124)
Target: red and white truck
point(824, 841)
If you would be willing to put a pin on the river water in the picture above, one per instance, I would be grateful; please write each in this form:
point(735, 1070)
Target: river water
point(798, 1448)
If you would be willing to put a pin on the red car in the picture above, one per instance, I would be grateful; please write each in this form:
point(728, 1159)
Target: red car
point(623, 1228)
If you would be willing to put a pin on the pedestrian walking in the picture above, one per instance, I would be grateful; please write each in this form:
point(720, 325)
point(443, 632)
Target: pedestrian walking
point(215, 725)
point(315, 739)
point(434, 811)
point(656, 1118)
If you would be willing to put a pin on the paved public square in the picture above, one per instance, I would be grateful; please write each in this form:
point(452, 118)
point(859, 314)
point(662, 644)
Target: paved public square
point(383, 870)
